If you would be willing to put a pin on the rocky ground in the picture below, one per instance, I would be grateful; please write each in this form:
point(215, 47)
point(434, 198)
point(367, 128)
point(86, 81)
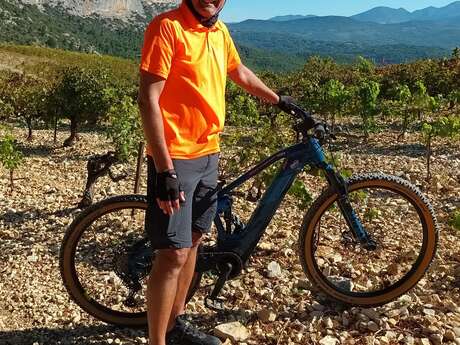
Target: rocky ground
point(273, 303)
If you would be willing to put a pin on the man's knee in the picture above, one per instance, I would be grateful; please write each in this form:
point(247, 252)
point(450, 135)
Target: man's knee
point(197, 238)
point(173, 259)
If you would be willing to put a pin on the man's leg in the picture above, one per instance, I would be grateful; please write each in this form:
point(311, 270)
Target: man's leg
point(185, 279)
point(162, 289)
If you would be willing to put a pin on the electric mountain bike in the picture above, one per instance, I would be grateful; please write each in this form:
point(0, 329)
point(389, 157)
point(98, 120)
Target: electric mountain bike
point(365, 241)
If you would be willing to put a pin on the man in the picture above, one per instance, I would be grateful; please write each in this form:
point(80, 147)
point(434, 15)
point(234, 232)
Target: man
point(186, 58)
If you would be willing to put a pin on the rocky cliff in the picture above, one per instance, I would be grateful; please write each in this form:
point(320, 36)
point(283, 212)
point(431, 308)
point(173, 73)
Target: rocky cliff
point(121, 9)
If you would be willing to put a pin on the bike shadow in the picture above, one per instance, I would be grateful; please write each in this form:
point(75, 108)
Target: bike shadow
point(80, 334)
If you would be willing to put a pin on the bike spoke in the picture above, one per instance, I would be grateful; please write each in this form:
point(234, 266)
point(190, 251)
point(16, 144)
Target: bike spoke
point(391, 221)
point(103, 265)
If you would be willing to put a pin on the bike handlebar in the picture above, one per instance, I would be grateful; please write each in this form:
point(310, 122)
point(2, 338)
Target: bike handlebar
point(309, 122)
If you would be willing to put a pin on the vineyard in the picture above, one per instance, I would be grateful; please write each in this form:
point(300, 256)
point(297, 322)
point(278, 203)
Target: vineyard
point(61, 112)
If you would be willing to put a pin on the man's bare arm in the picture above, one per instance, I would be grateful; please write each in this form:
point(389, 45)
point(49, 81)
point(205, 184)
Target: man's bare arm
point(245, 78)
point(150, 90)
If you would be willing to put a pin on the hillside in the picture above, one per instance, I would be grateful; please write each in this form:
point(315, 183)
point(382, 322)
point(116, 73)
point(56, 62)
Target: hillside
point(342, 29)
point(126, 10)
point(384, 15)
point(57, 29)
point(345, 52)
point(388, 15)
point(279, 44)
point(433, 13)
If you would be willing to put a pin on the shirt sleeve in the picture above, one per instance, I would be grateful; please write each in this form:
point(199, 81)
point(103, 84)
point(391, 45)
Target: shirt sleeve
point(158, 49)
point(233, 57)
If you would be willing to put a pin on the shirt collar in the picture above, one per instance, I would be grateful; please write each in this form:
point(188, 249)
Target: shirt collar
point(192, 22)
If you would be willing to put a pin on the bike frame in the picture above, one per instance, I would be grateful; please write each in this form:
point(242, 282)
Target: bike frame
point(296, 157)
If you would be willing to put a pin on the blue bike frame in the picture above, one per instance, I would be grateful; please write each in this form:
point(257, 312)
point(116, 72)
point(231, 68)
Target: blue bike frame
point(296, 158)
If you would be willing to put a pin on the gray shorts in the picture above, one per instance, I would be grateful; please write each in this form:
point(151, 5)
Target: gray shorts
point(198, 179)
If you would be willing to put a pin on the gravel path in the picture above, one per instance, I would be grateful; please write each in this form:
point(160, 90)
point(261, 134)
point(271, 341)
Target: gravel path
point(35, 308)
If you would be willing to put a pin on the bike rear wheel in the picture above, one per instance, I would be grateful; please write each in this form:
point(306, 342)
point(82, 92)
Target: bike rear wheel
point(94, 261)
point(397, 217)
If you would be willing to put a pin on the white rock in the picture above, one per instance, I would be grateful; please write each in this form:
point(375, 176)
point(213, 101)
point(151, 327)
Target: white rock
point(405, 299)
point(32, 258)
point(384, 340)
point(409, 340)
point(429, 312)
point(424, 341)
point(329, 340)
point(391, 335)
point(274, 270)
point(328, 323)
point(234, 331)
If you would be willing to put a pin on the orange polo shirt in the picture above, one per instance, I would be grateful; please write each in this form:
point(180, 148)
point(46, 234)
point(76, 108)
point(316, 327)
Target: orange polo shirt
point(195, 61)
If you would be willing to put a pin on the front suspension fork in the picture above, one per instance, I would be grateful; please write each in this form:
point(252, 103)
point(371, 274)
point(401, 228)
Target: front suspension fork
point(351, 217)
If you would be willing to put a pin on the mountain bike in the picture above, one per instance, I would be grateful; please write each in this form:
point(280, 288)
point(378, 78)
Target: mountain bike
point(365, 241)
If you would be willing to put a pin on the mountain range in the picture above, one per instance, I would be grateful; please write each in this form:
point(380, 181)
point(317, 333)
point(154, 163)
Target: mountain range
point(116, 27)
point(442, 33)
point(383, 34)
point(387, 15)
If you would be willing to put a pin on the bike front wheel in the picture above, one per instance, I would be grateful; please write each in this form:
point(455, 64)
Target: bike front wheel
point(402, 225)
point(105, 256)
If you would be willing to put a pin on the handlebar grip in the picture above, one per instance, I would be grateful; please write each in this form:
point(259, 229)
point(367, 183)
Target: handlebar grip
point(308, 121)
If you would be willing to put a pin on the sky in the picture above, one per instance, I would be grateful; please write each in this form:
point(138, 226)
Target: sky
point(238, 10)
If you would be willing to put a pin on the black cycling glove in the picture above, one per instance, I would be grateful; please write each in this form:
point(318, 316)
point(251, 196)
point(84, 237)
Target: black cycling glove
point(286, 103)
point(167, 186)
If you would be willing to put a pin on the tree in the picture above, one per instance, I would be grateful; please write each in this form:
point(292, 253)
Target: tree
point(336, 97)
point(51, 42)
point(364, 66)
point(456, 53)
point(81, 96)
point(241, 108)
point(125, 128)
point(6, 111)
point(367, 96)
point(10, 157)
point(414, 104)
point(25, 95)
point(125, 131)
point(404, 97)
point(444, 127)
